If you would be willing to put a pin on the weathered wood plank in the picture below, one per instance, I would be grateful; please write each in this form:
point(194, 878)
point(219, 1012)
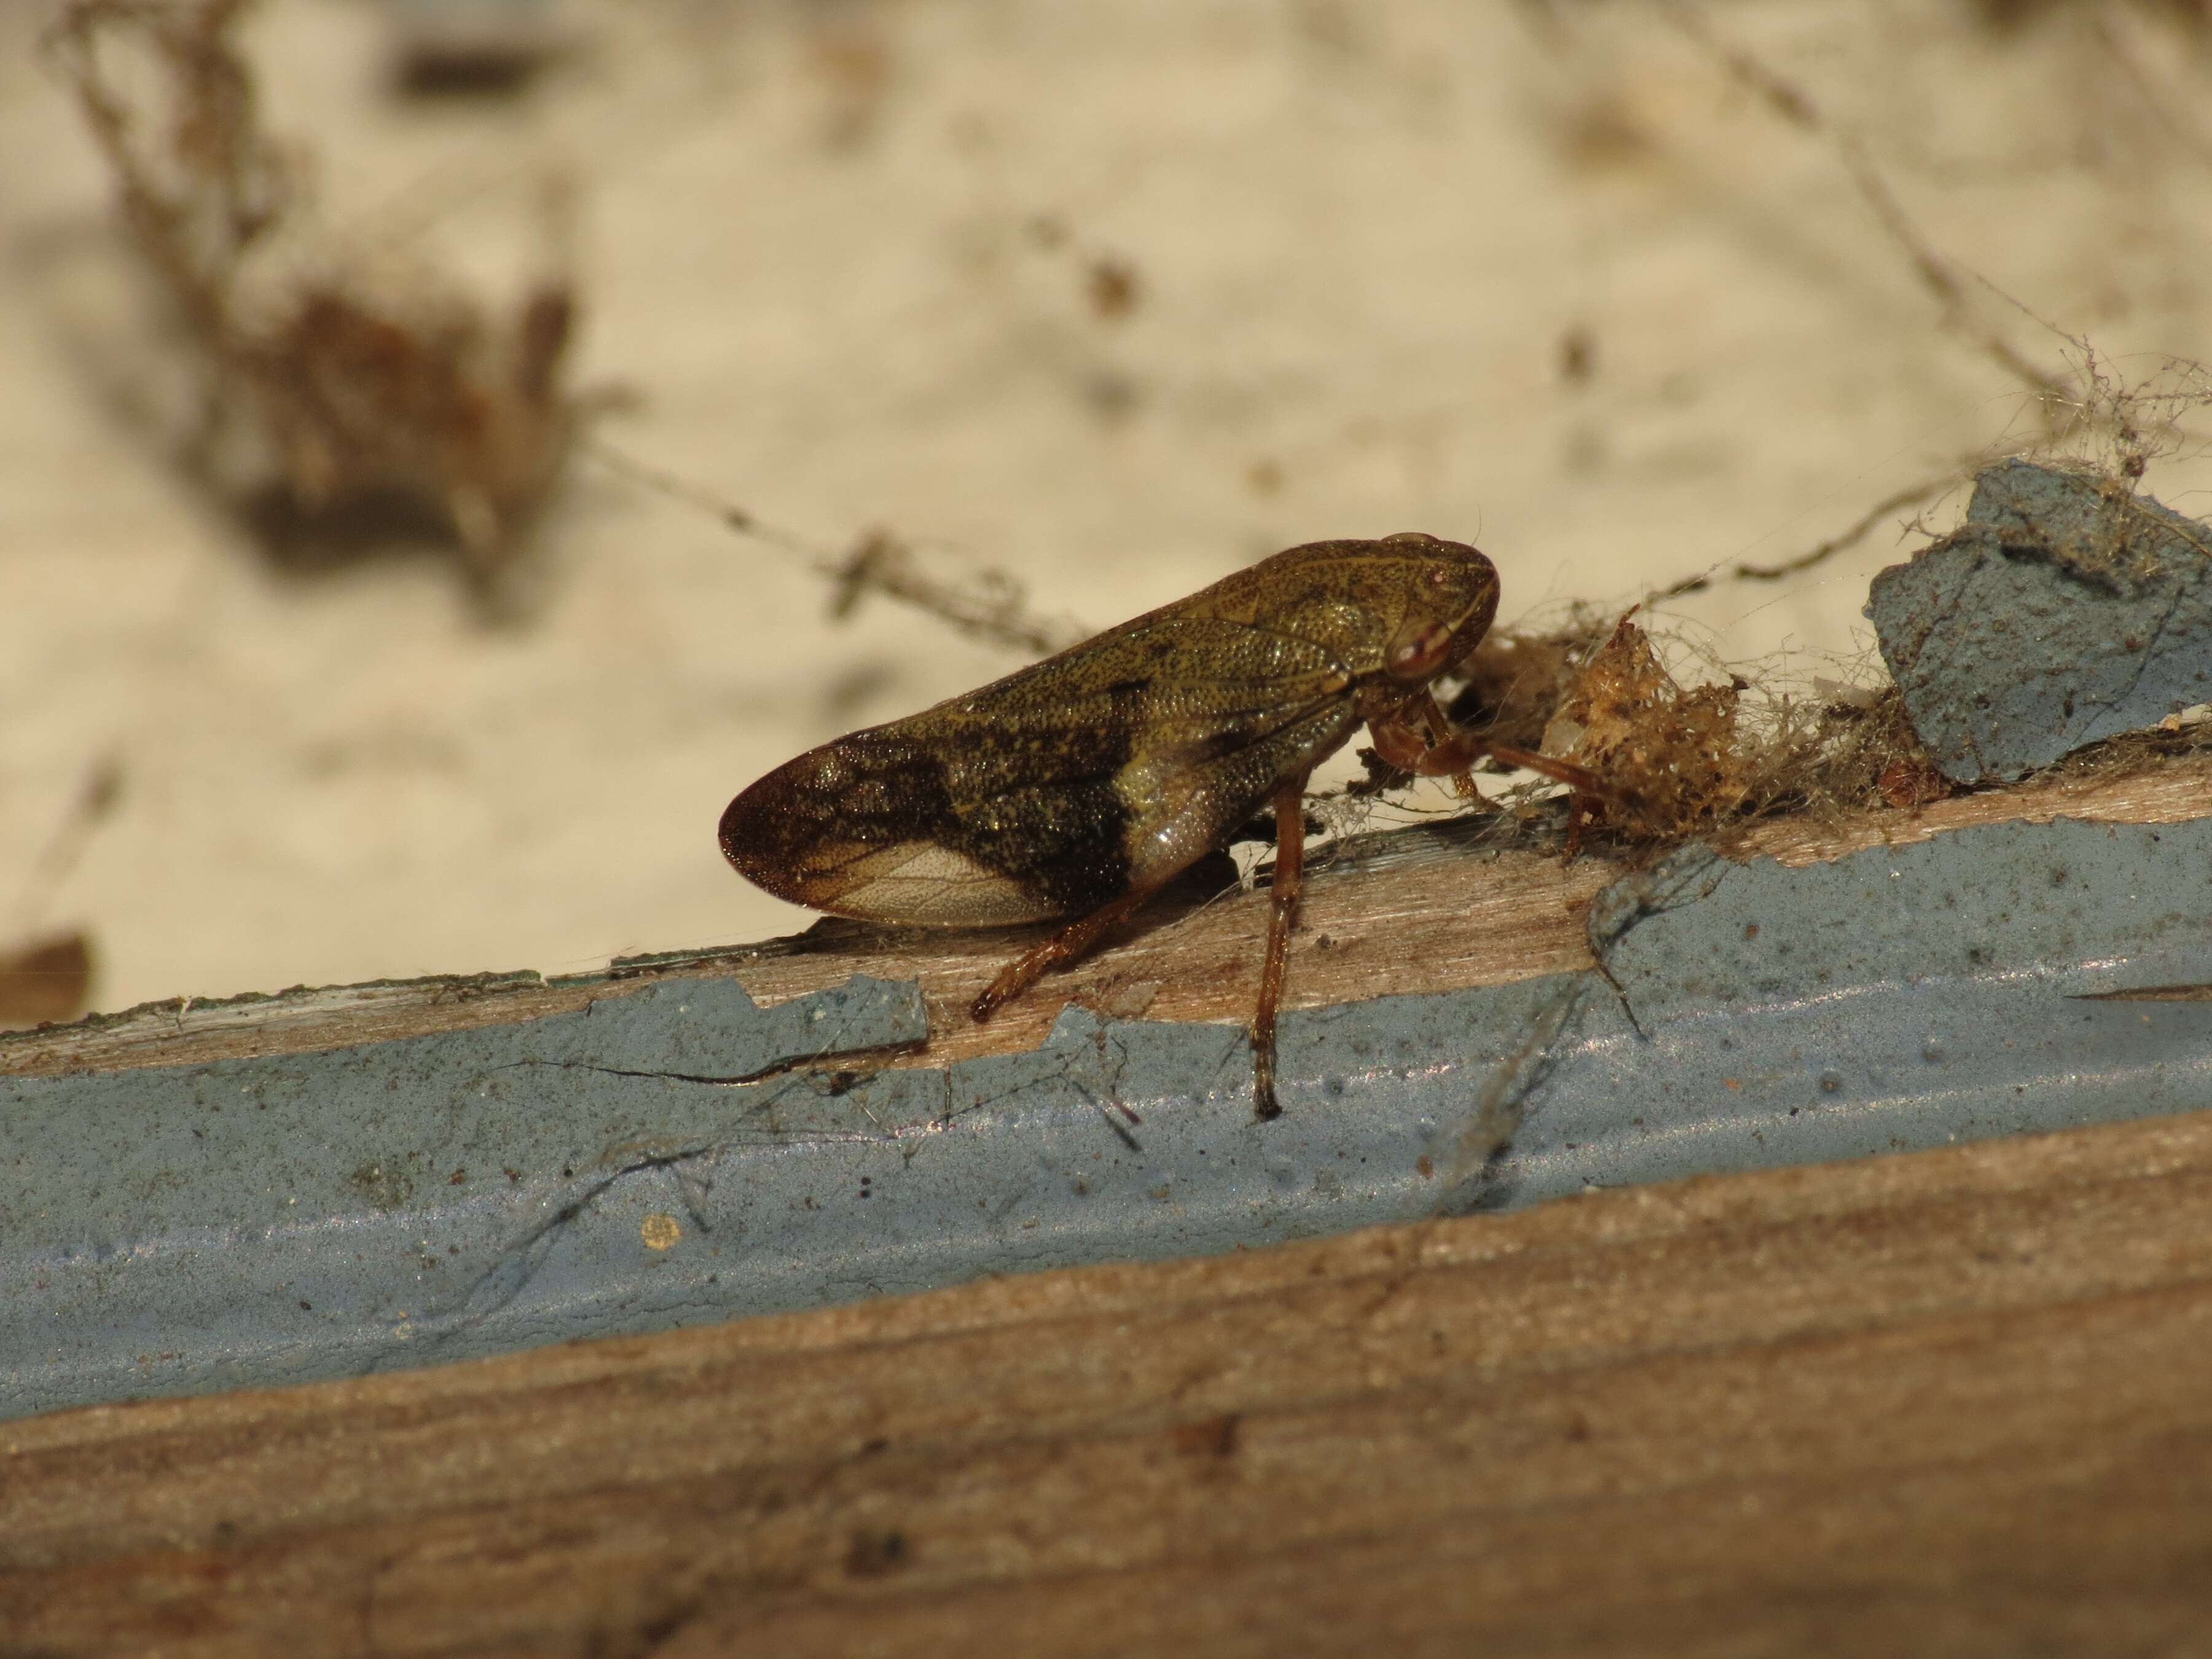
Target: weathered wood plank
point(1952, 1400)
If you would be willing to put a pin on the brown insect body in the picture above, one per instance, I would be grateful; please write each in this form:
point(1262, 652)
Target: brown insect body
point(1081, 785)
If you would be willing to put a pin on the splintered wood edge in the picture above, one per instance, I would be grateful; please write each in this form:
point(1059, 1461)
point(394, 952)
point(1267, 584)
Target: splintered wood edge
point(1412, 911)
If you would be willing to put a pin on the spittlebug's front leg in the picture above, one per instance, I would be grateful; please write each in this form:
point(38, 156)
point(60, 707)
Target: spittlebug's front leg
point(1435, 748)
point(1282, 915)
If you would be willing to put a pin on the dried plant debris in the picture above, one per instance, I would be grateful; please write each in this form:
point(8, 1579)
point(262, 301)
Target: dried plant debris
point(345, 396)
point(1674, 758)
point(2068, 621)
point(1681, 761)
point(986, 605)
point(2067, 608)
point(1913, 494)
point(1912, 784)
point(1846, 748)
point(1678, 761)
point(1516, 681)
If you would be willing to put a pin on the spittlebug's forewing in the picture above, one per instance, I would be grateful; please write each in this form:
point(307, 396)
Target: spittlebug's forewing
point(1078, 787)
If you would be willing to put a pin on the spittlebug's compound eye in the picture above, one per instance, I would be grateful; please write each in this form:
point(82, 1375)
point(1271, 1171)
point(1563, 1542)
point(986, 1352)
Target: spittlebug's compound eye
point(1418, 653)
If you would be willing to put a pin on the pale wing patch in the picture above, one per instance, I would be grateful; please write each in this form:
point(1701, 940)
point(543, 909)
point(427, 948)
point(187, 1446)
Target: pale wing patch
point(1179, 810)
point(919, 881)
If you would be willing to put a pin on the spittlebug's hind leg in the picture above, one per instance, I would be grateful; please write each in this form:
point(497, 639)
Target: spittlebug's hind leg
point(1076, 939)
point(1065, 945)
point(1282, 915)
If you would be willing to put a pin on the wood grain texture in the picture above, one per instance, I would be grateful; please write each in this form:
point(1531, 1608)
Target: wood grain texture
point(1950, 1402)
point(1410, 911)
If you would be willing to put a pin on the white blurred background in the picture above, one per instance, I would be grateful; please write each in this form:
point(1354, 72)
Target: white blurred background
point(1114, 299)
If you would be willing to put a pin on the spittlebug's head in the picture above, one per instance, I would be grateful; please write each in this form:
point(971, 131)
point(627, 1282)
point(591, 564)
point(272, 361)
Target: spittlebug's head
point(1451, 596)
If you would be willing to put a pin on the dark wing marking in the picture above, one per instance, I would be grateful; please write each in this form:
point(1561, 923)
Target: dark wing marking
point(1053, 791)
point(865, 827)
point(1185, 724)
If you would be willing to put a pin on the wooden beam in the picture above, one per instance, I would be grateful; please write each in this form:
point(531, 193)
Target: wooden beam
point(1953, 1400)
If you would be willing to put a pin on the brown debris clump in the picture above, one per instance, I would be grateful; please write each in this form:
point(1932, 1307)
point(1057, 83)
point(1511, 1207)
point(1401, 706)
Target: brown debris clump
point(1676, 762)
point(328, 387)
point(1672, 760)
point(1912, 784)
point(1849, 753)
point(1515, 682)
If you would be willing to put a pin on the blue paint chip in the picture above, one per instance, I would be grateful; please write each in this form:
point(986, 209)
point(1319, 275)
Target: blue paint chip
point(2065, 609)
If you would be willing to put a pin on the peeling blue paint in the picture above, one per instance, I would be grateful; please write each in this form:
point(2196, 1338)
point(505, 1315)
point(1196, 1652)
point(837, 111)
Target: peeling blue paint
point(298, 1217)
